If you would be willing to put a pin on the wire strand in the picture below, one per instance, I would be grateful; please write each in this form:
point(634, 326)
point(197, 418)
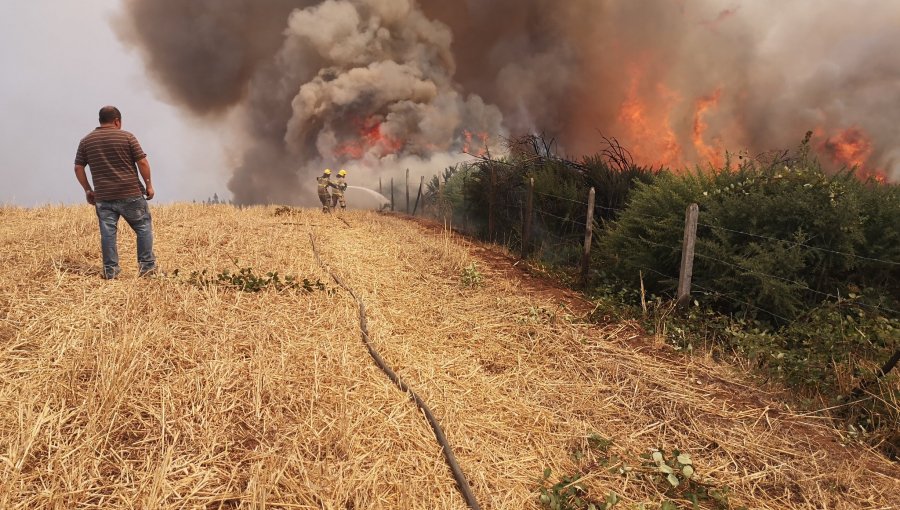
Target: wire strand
point(730, 297)
point(718, 293)
point(801, 285)
point(560, 198)
point(795, 243)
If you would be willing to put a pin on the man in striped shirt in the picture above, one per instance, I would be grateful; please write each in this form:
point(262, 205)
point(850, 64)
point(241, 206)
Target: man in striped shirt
point(115, 157)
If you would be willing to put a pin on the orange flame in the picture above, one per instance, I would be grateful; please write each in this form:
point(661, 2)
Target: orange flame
point(371, 138)
point(853, 148)
point(469, 138)
point(850, 147)
point(711, 154)
point(648, 132)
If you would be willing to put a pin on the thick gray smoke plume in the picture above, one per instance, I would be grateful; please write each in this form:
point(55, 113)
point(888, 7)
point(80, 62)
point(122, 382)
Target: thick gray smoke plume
point(679, 82)
point(383, 85)
point(362, 84)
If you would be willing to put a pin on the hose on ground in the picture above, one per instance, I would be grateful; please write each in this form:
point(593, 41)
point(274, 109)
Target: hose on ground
point(458, 475)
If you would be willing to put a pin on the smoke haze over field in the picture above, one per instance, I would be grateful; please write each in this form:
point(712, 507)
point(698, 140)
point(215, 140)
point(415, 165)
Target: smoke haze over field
point(367, 83)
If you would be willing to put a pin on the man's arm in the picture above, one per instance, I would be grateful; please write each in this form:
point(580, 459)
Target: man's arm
point(144, 168)
point(85, 185)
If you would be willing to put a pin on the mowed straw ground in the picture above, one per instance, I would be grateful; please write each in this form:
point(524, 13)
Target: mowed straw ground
point(156, 393)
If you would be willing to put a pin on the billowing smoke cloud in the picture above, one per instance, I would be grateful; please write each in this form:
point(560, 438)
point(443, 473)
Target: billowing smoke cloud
point(379, 85)
point(365, 84)
point(679, 83)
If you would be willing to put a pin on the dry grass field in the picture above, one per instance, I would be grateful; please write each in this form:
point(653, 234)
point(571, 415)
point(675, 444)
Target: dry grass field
point(162, 394)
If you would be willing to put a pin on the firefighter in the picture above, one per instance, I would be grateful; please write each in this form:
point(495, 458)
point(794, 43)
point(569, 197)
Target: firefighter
point(324, 182)
point(339, 187)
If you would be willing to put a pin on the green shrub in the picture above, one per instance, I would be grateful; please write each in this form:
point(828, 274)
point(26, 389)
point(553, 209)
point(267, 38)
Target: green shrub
point(613, 184)
point(771, 241)
point(824, 356)
point(470, 276)
point(831, 350)
point(880, 208)
point(796, 269)
point(246, 280)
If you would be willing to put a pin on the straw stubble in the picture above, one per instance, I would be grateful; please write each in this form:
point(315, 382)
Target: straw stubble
point(161, 394)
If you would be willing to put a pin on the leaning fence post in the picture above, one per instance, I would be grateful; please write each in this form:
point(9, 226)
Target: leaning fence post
point(885, 370)
point(407, 191)
point(526, 225)
point(392, 194)
point(416, 207)
point(687, 254)
point(588, 238)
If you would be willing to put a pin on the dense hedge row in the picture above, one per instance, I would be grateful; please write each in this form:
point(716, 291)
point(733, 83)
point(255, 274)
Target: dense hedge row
point(772, 242)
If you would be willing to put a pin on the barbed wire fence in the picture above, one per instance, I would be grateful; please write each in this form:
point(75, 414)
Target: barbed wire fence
point(559, 229)
point(554, 222)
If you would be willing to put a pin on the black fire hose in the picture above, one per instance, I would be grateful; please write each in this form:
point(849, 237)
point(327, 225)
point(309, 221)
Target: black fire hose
point(458, 475)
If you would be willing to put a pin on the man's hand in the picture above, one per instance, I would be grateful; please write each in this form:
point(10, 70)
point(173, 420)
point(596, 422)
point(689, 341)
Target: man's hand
point(144, 169)
point(85, 185)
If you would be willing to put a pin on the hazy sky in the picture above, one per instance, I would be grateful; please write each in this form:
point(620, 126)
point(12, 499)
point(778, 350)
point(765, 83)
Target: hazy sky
point(61, 61)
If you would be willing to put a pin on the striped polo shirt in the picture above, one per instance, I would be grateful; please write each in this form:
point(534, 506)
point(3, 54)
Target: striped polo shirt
point(111, 155)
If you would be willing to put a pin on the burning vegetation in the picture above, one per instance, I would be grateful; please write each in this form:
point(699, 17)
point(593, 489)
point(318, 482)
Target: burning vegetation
point(382, 85)
point(850, 147)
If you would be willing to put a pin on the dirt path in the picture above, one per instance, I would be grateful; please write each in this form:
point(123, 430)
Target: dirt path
point(163, 394)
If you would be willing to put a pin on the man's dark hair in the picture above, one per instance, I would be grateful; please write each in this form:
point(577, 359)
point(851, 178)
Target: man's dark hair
point(109, 114)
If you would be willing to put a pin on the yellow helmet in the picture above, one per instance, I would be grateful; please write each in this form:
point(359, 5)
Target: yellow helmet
point(327, 171)
point(342, 172)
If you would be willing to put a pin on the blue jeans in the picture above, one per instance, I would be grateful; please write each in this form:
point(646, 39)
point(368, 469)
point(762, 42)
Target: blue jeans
point(137, 214)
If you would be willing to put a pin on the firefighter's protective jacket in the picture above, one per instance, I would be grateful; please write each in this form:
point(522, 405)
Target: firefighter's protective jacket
point(340, 186)
point(324, 183)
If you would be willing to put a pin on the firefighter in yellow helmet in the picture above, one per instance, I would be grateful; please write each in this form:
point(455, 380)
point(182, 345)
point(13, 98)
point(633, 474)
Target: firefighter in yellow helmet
point(324, 182)
point(339, 187)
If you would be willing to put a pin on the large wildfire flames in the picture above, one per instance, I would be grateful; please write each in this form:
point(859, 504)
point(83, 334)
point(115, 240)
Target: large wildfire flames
point(647, 129)
point(852, 148)
point(712, 154)
point(368, 139)
point(385, 84)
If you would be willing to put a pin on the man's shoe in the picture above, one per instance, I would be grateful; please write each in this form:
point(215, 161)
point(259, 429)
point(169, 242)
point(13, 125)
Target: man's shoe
point(149, 273)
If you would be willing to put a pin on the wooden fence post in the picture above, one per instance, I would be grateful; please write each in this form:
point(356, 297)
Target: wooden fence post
point(392, 194)
point(407, 191)
point(588, 238)
point(491, 203)
point(441, 209)
point(416, 207)
point(465, 211)
point(526, 225)
point(686, 272)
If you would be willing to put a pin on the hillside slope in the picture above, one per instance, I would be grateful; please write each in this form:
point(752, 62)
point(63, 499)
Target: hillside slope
point(160, 393)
